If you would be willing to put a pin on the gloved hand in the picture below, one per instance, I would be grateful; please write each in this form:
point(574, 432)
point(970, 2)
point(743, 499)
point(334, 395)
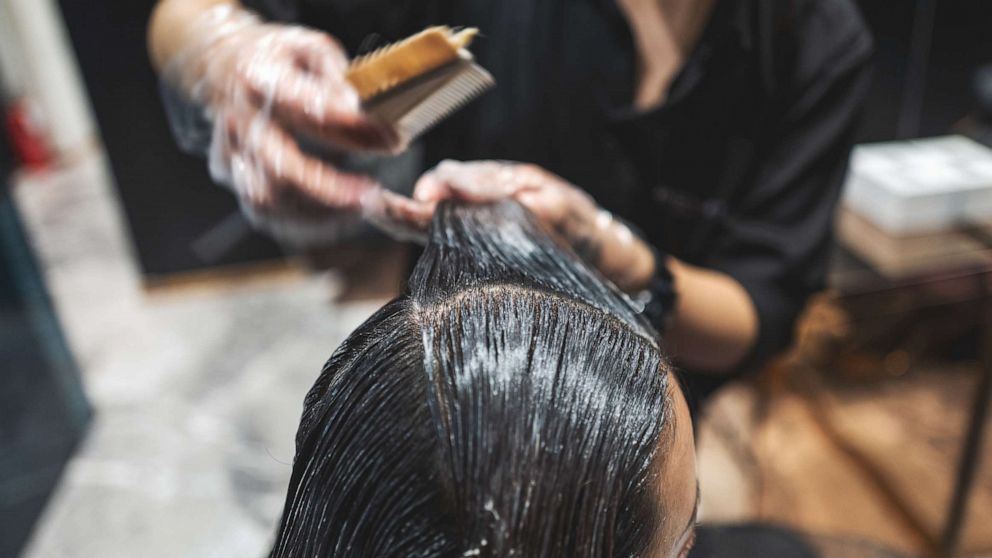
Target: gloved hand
point(599, 238)
point(262, 86)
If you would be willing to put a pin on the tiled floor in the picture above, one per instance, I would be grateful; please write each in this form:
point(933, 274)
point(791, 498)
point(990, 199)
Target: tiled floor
point(197, 393)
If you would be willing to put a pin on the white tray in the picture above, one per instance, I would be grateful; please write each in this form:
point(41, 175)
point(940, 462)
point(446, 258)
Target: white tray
point(915, 186)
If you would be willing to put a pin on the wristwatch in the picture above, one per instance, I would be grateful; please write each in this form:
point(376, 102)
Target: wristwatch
point(657, 299)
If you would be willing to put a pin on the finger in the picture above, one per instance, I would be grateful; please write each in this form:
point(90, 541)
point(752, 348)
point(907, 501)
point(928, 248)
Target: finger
point(430, 188)
point(291, 202)
point(278, 85)
point(229, 164)
point(288, 167)
point(546, 210)
point(400, 217)
point(314, 109)
point(249, 182)
point(478, 181)
point(320, 53)
point(404, 210)
point(319, 105)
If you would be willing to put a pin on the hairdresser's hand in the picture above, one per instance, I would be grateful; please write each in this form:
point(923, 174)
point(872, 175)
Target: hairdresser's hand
point(595, 235)
point(263, 86)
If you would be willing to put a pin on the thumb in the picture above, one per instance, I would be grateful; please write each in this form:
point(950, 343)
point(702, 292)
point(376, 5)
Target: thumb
point(430, 188)
point(400, 217)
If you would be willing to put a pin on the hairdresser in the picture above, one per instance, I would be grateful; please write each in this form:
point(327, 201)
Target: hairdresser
point(693, 150)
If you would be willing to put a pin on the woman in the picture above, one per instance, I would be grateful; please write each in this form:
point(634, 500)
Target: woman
point(719, 129)
point(510, 403)
point(476, 415)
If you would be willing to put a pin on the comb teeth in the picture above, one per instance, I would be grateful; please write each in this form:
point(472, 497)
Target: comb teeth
point(469, 84)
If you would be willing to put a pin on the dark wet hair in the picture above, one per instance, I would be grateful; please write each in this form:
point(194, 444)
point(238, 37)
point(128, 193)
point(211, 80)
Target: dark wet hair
point(510, 403)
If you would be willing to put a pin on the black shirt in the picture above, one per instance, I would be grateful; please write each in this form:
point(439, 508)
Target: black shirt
point(739, 170)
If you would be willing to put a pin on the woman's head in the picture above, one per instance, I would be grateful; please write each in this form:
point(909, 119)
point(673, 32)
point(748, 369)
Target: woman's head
point(510, 404)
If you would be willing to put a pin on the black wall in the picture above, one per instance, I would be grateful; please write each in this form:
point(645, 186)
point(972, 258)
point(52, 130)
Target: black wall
point(168, 196)
point(961, 40)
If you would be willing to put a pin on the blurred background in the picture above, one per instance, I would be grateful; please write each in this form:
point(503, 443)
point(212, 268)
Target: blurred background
point(155, 351)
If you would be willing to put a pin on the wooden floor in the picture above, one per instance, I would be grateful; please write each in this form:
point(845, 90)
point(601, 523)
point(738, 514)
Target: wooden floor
point(870, 464)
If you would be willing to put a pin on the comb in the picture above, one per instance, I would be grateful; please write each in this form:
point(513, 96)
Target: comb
point(414, 84)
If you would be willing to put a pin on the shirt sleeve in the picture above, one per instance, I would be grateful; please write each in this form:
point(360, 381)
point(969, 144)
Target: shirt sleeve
point(778, 238)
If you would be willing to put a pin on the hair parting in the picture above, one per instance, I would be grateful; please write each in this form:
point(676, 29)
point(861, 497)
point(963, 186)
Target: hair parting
point(509, 403)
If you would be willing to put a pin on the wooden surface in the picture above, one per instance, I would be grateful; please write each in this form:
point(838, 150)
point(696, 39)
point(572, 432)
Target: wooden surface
point(873, 462)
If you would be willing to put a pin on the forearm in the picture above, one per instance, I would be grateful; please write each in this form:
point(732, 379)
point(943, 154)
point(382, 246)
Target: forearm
point(170, 25)
point(715, 323)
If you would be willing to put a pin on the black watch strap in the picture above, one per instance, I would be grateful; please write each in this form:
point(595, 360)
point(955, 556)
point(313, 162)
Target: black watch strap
point(659, 296)
point(656, 301)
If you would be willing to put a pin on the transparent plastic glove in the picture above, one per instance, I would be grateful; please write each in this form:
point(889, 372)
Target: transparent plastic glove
point(262, 88)
point(598, 237)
